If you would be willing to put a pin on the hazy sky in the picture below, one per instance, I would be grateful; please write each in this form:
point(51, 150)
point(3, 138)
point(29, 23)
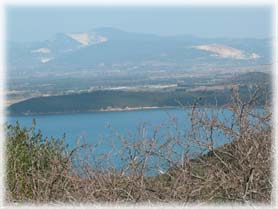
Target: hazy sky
point(40, 23)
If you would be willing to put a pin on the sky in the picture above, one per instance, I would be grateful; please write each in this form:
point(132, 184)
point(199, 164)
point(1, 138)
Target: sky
point(41, 23)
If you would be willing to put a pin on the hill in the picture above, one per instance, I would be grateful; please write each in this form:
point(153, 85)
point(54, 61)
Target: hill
point(105, 100)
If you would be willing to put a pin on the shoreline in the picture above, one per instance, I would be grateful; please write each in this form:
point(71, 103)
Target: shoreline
point(129, 109)
point(126, 109)
point(107, 110)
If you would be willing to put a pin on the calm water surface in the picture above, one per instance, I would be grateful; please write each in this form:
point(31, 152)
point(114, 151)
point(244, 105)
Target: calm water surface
point(98, 125)
point(106, 126)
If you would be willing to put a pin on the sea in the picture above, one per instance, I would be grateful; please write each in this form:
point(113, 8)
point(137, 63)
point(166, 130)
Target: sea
point(113, 135)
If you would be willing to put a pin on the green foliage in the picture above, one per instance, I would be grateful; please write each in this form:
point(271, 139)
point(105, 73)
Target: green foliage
point(28, 154)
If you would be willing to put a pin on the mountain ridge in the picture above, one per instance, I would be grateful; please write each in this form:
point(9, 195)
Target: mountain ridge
point(110, 46)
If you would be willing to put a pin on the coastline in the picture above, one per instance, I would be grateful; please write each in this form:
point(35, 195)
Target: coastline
point(116, 109)
point(107, 110)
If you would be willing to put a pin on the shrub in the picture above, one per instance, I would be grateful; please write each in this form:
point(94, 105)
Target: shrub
point(34, 165)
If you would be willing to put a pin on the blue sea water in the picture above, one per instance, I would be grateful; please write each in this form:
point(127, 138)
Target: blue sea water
point(93, 126)
point(109, 131)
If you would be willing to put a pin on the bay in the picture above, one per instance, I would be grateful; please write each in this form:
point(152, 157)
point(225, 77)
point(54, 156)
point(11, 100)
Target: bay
point(110, 131)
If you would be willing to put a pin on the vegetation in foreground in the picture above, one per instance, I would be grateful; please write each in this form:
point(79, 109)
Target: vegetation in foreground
point(45, 170)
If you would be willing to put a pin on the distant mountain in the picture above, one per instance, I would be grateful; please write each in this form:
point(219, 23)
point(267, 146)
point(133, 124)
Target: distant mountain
point(109, 46)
